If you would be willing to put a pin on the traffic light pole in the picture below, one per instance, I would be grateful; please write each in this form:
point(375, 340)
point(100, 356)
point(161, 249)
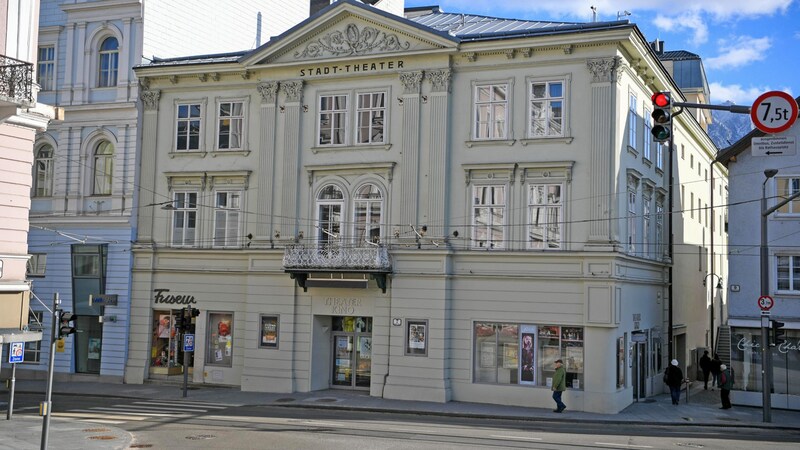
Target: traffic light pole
point(45, 406)
point(185, 354)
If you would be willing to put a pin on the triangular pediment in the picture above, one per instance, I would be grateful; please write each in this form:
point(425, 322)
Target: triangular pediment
point(348, 30)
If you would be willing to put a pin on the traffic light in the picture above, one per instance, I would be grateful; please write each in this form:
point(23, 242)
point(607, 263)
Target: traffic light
point(194, 312)
point(778, 333)
point(662, 116)
point(180, 321)
point(191, 313)
point(65, 328)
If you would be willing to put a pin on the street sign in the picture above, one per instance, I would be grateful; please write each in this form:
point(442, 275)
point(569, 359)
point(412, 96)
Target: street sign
point(774, 112)
point(765, 302)
point(773, 146)
point(188, 342)
point(104, 299)
point(17, 353)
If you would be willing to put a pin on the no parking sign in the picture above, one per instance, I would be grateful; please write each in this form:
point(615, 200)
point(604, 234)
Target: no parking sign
point(17, 354)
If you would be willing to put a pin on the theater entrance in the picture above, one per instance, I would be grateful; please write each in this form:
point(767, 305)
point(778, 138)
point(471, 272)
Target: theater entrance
point(352, 352)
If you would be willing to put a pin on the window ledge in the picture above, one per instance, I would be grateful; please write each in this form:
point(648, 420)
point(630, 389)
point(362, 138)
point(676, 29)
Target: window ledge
point(547, 139)
point(230, 152)
point(786, 216)
point(196, 154)
point(633, 151)
point(349, 148)
point(646, 161)
point(660, 171)
point(488, 142)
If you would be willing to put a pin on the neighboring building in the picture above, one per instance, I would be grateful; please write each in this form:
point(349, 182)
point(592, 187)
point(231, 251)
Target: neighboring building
point(86, 165)
point(20, 118)
point(747, 166)
point(701, 195)
point(433, 208)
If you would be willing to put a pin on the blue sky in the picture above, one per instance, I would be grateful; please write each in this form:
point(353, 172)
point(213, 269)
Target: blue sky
point(748, 46)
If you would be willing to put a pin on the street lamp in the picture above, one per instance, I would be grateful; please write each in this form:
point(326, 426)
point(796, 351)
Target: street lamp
point(716, 293)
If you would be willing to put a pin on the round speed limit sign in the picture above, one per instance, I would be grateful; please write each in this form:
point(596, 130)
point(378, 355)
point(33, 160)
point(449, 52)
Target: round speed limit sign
point(774, 112)
point(765, 302)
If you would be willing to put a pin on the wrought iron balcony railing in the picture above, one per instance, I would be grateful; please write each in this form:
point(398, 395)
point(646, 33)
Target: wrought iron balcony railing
point(372, 259)
point(16, 80)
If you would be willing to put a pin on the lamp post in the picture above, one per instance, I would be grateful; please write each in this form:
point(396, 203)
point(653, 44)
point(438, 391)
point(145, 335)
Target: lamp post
point(716, 292)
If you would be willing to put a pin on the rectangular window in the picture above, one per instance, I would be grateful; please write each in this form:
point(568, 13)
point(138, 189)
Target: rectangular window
point(37, 264)
point(659, 230)
point(785, 188)
point(545, 207)
point(370, 118)
point(491, 111)
point(332, 119)
point(691, 205)
point(416, 337)
point(525, 354)
point(184, 219)
point(546, 109)
point(219, 339)
point(788, 277)
point(231, 126)
point(270, 326)
point(227, 214)
point(660, 156)
point(46, 63)
point(646, 227)
point(33, 349)
point(632, 221)
point(188, 127)
point(632, 121)
point(648, 136)
point(699, 211)
point(621, 362)
point(691, 160)
point(488, 217)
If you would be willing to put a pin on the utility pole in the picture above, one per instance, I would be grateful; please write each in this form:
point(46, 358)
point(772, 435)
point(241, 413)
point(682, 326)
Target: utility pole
point(46, 405)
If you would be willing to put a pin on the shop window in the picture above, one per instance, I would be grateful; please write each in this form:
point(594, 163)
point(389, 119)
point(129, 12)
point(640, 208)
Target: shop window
point(219, 339)
point(416, 337)
point(269, 331)
point(509, 353)
point(166, 356)
point(621, 362)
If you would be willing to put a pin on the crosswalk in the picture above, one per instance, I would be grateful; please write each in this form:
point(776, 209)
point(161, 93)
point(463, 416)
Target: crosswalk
point(142, 410)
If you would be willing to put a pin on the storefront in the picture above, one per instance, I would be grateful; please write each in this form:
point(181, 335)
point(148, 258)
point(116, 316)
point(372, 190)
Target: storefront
point(746, 363)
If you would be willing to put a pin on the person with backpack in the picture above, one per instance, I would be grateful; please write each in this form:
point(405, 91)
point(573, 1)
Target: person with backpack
point(726, 384)
point(673, 377)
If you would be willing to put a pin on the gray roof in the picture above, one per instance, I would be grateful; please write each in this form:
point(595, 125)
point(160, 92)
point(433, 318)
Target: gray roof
point(677, 55)
point(197, 59)
point(470, 24)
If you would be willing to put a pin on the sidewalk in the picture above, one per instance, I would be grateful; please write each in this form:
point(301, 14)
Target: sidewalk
point(702, 410)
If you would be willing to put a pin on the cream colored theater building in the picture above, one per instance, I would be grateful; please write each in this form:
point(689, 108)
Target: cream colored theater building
point(433, 208)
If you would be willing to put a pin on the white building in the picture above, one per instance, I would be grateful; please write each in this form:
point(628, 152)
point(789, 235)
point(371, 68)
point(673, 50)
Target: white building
point(748, 160)
point(432, 208)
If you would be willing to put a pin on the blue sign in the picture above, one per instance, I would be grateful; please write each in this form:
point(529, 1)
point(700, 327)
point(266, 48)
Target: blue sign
point(17, 353)
point(188, 342)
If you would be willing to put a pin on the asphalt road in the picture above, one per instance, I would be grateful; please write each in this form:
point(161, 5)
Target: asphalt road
point(178, 424)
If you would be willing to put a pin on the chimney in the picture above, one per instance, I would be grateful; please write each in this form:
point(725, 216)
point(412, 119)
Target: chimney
point(657, 46)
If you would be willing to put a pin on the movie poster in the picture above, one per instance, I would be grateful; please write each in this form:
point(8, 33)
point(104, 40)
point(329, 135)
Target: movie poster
point(527, 366)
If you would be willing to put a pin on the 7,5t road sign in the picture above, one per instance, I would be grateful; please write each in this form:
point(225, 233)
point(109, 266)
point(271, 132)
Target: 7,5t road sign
point(774, 112)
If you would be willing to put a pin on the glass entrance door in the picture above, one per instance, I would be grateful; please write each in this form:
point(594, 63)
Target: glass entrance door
point(343, 360)
point(352, 352)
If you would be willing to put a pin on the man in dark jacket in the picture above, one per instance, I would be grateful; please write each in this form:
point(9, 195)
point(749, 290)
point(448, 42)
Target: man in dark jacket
point(705, 366)
point(673, 376)
point(715, 371)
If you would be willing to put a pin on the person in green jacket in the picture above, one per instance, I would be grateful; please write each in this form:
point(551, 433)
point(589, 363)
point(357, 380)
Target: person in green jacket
point(726, 384)
point(559, 386)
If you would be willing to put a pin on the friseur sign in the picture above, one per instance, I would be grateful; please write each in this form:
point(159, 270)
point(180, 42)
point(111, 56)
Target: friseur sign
point(162, 296)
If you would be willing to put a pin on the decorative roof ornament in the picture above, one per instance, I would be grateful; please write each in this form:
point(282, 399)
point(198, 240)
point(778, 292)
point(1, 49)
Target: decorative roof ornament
point(352, 42)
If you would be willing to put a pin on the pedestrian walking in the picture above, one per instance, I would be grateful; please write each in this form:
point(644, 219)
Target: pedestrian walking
point(673, 377)
point(559, 386)
point(726, 380)
point(715, 371)
point(705, 366)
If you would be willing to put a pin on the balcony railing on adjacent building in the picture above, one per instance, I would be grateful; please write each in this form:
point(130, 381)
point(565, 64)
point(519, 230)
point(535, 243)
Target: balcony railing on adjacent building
point(16, 81)
point(334, 258)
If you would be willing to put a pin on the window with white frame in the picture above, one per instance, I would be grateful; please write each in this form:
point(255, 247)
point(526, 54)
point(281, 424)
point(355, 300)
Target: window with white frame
point(659, 156)
point(227, 218)
point(659, 228)
point(648, 136)
point(646, 226)
point(37, 264)
point(46, 65)
point(491, 111)
point(368, 210)
point(43, 175)
point(632, 218)
point(230, 125)
point(370, 118)
point(632, 119)
point(103, 168)
point(488, 217)
point(546, 109)
point(188, 127)
point(545, 222)
point(786, 186)
point(333, 119)
point(184, 219)
point(330, 214)
point(788, 277)
point(109, 62)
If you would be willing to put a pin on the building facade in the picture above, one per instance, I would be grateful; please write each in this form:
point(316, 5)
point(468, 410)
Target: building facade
point(83, 211)
point(748, 160)
point(433, 208)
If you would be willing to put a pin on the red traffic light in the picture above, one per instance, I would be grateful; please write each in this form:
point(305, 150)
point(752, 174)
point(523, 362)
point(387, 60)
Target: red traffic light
point(661, 99)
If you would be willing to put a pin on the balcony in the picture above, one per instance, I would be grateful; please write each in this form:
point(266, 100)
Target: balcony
point(303, 262)
point(16, 82)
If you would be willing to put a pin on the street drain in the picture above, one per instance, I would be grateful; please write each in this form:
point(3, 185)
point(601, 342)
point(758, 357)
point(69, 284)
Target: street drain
point(200, 437)
point(689, 444)
point(326, 400)
point(96, 430)
point(141, 445)
point(284, 400)
point(101, 438)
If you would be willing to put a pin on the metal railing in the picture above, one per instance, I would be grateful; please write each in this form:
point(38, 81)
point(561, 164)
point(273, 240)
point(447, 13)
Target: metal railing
point(16, 80)
point(337, 258)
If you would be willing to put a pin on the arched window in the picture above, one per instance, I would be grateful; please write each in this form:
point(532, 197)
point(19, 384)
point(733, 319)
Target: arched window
point(43, 175)
point(109, 61)
point(368, 209)
point(330, 205)
point(103, 168)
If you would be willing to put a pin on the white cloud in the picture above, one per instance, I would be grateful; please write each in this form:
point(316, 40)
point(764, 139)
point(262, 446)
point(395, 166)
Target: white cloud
point(738, 52)
point(689, 20)
point(735, 93)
